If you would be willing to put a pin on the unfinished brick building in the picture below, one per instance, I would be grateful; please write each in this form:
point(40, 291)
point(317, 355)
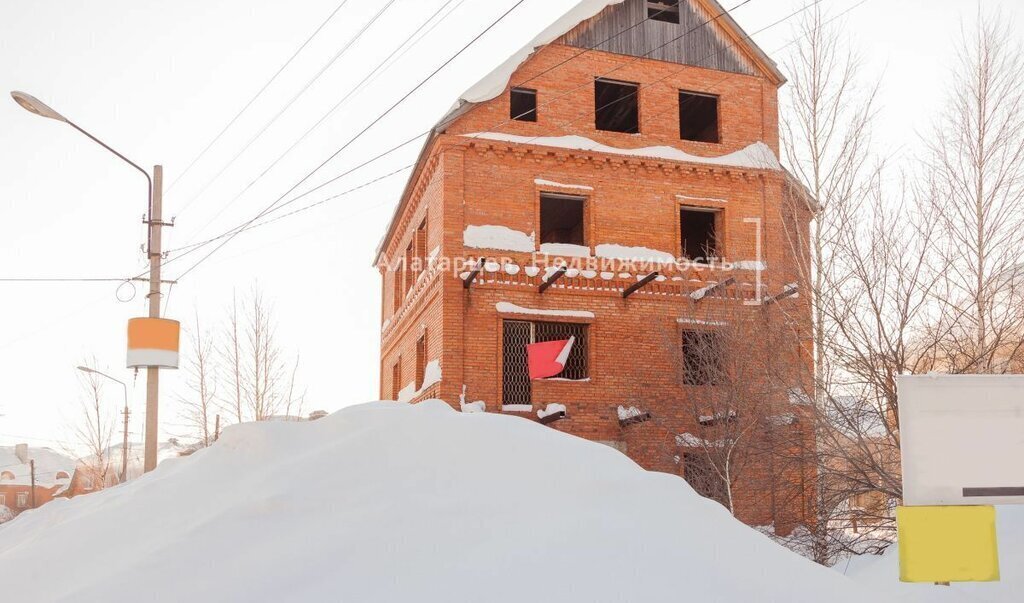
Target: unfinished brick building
point(617, 181)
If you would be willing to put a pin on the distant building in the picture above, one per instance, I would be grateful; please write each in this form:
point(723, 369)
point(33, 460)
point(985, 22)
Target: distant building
point(53, 475)
point(94, 473)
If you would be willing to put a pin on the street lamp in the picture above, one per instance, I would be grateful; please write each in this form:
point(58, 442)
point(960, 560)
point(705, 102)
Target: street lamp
point(154, 191)
point(125, 412)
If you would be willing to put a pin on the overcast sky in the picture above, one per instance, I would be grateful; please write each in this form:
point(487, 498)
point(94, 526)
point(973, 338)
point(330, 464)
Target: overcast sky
point(158, 80)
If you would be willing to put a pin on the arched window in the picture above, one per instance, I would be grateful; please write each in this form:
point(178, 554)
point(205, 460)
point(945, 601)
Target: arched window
point(62, 475)
point(6, 475)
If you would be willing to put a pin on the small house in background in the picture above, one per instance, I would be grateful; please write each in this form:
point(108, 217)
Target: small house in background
point(94, 472)
point(53, 474)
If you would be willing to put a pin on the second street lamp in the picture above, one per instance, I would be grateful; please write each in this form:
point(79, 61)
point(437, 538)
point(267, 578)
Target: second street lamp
point(153, 248)
point(126, 412)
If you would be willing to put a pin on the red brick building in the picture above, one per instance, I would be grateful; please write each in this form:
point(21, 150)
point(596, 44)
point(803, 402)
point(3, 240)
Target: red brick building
point(621, 184)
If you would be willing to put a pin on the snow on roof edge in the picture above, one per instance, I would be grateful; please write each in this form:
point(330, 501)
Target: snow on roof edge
point(494, 82)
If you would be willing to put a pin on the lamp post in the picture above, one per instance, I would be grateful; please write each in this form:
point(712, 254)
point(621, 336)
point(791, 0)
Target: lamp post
point(125, 412)
point(155, 222)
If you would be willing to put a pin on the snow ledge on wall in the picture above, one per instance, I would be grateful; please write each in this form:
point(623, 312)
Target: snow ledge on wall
point(510, 308)
point(489, 236)
point(757, 155)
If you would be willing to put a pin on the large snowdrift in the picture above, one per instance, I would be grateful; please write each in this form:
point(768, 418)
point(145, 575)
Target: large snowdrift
point(392, 502)
point(882, 571)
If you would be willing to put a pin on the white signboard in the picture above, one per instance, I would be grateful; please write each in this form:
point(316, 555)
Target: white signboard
point(962, 439)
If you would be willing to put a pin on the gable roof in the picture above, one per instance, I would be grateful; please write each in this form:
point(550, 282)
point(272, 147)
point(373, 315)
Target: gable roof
point(48, 463)
point(577, 20)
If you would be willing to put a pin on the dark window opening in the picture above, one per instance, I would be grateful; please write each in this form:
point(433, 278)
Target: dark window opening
point(702, 477)
point(420, 240)
point(698, 117)
point(516, 335)
point(396, 290)
point(561, 219)
point(698, 233)
point(396, 378)
point(663, 10)
point(421, 359)
point(523, 103)
point(616, 108)
point(702, 358)
point(407, 269)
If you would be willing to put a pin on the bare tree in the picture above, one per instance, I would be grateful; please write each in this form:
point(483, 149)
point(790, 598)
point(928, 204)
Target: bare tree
point(94, 431)
point(263, 379)
point(231, 354)
point(747, 434)
point(976, 160)
point(200, 403)
point(826, 141)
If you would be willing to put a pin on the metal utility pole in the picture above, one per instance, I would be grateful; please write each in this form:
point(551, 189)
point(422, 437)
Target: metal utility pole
point(32, 470)
point(155, 221)
point(155, 258)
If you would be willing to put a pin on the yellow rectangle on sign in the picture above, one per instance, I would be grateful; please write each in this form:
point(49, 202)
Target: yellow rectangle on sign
point(947, 544)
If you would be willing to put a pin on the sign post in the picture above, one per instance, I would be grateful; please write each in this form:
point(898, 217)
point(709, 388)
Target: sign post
point(961, 441)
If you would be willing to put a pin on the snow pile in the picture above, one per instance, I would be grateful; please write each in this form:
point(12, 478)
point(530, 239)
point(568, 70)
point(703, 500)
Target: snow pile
point(396, 502)
point(758, 155)
point(476, 406)
point(494, 83)
point(628, 413)
point(431, 375)
point(489, 236)
point(882, 571)
point(551, 409)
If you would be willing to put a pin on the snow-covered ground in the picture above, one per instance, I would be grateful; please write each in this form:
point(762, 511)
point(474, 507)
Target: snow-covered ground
point(392, 502)
point(882, 571)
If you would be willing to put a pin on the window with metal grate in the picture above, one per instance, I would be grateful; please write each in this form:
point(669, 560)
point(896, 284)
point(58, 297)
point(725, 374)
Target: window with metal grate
point(517, 334)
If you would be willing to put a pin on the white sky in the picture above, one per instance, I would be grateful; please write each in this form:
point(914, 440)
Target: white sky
point(158, 80)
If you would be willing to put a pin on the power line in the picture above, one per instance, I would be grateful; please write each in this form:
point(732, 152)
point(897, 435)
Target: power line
point(63, 280)
point(380, 68)
point(245, 226)
point(307, 207)
point(191, 246)
point(291, 101)
point(253, 99)
point(359, 135)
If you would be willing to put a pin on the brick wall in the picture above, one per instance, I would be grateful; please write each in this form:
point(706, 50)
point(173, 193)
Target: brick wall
point(634, 354)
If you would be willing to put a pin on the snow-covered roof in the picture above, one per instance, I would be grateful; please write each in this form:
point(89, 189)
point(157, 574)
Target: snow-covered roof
point(49, 463)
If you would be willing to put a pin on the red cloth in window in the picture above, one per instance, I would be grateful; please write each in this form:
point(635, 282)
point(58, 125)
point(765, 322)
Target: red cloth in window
point(547, 359)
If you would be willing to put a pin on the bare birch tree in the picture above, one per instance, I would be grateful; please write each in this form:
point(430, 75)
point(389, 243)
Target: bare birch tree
point(262, 377)
point(976, 160)
point(201, 380)
point(826, 130)
point(94, 430)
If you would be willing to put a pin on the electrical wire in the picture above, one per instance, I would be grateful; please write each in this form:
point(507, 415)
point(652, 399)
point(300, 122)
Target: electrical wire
point(380, 68)
point(246, 226)
point(191, 245)
point(358, 135)
point(252, 100)
point(291, 101)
